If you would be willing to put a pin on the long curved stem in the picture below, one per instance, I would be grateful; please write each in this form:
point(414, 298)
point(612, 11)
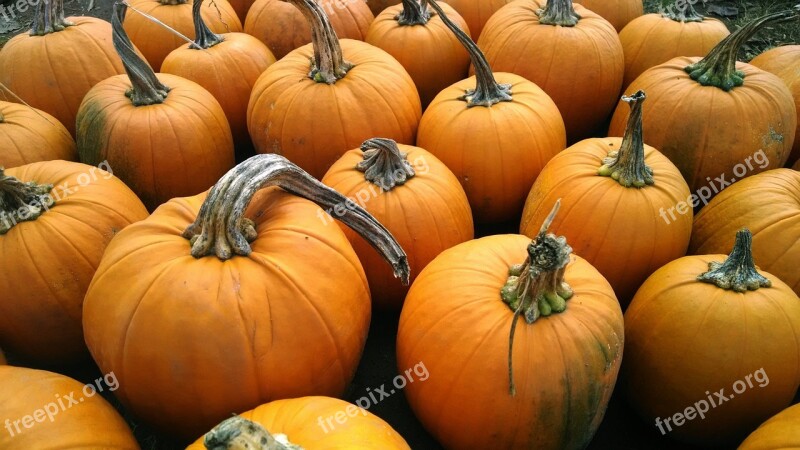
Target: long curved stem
point(21, 201)
point(328, 65)
point(384, 164)
point(627, 165)
point(558, 12)
point(204, 37)
point(738, 272)
point(414, 13)
point(238, 433)
point(49, 18)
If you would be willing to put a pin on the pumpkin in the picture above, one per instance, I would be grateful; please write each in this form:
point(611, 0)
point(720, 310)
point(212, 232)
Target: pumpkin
point(189, 143)
point(156, 42)
point(486, 389)
point(29, 135)
point(477, 12)
point(306, 422)
point(241, 7)
point(780, 431)
point(578, 59)
point(712, 347)
point(351, 91)
point(56, 218)
point(769, 205)
point(264, 287)
point(423, 44)
point(495, 131)
point(653, 39)
point(54, 66)
point(785, 63)
point(623, 188)
point(709, 115)
point(414, 195)
point(227, 65)
point(47, 410)
point(283, 28)
point(377, 6)
point(618, 12)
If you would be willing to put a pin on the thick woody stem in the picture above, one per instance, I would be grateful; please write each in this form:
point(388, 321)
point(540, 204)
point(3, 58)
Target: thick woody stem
point(49, 18)
point(204, 37)
point(414, 13)
point(738, 272)
point(558, 12)
point(238, 433)
point(384, 164)
point(21, 201)
point(328, 65)
point(627, 165)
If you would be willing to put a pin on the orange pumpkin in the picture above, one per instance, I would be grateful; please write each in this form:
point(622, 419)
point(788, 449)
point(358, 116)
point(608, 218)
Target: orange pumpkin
point(52, 68)
point(712, 348)
point(56, 218)
point(618, 12)
point(251, 283)
point(283, 28)
point(567, 346)
point(578, 58)
point(377, 6)
point(242, 7)
point(414, 195)
point(188, 146)
point(306, 422)
point(29, 135)
point(780, 431)
point(477, 12)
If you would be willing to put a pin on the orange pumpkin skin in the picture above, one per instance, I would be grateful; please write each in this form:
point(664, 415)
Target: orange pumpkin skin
point(797, 165)
point(427, 215)
point(579, 67)
point(780, 431)
point(252, 306)
point(241, 7)
point(28, 136)
point(282, 27)
point(684, 338)
point(297, 418)
point(91, 423)
point(48, 262)
point(375, 98)
point(156, 43)
point(465, 403)
point(55, 71)
point(618, 12)
point(785, 63)
point(377, 6)
point(653, 39)
point(181, 159)
point(768, 204)
point(477, 12)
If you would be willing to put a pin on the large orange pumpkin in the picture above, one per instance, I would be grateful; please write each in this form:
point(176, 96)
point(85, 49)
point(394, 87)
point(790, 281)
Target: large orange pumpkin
point(712, 348)
point(495, 131)
point(573, 54)
point(709, 115)
point(165, 136)
point(53, 67)
point(414, 195)
point(551, 388)
point(307, 422)
point(29, 135)
point(56, 218)
point(782, 431)
point(477, 12)
point(277, 303)
point(618, 12)
point(312, 113)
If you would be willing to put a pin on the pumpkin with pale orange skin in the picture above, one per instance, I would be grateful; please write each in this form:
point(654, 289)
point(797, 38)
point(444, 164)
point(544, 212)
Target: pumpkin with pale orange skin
point(617, 12)
point(29, 135)
point(780, 431)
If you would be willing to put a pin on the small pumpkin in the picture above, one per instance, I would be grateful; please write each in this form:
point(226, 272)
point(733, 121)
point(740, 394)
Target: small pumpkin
point(780, 431)
point(618, 12)
point(305, 423)
point(477, 12)
point(715, 336)
point(29, 135)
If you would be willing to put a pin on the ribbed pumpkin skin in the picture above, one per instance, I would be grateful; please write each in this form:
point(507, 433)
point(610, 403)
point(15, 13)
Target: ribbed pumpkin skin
point(49, 262)
point(684, 337)
point(297, 419)
point(616, 229)
point(579, 67)
point(652, 39)
point(430, 53)
point(477, 12)
point(228, 71)
point(155, 42)
point(618, 12)
point(427, 215)
point(91, 424)
point(28, 136)
point(282, 27)
point(55, 71)
point(313, 124)
point(180, 147)
point(785, 63)
point(565, 365)
point(760, 115)
point(241, 316)
point(377, 6)
point(780, 431)
point(768, 204)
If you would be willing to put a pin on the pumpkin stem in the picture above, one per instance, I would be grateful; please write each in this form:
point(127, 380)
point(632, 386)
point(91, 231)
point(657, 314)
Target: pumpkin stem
point(221, 230)
point(238, 433)
point(49, 18)
point(414, 13)
point(384, 164)
point(328, 65)
point(627, 165)
point(173, 2)
point(205, 38)
point(718, 68)
point(558, 12)
point(738, 272)
point(145, 89)
point(20, 201)
point(536, 287)
point(487, 91)
point(682, 11)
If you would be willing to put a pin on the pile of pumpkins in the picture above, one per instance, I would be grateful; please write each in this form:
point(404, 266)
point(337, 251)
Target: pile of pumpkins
point(383, 134)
